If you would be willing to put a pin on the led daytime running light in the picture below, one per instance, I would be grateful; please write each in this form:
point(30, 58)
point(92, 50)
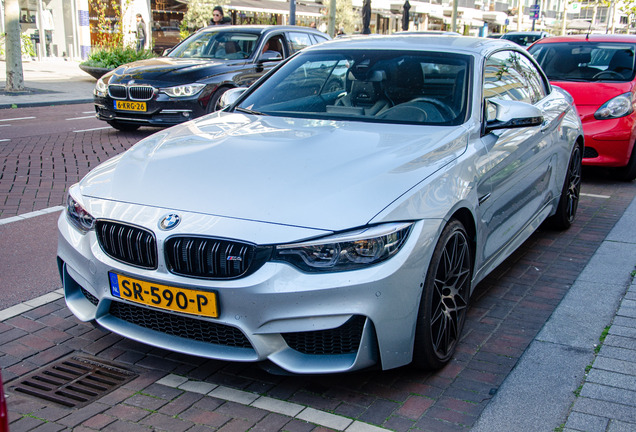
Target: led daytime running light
point(347, 251)
point(78, 216)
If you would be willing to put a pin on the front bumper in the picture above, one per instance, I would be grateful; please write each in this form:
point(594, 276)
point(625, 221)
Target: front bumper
point(278, 313)
point(608, 143)
point(161, 110)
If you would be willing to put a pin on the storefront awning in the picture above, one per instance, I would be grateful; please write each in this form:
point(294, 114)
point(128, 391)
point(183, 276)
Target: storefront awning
point(275, 7)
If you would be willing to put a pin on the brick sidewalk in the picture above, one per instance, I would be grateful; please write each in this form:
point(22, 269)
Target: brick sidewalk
point(607, 399)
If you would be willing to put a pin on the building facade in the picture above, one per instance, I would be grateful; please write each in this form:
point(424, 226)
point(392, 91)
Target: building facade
point(71, 28)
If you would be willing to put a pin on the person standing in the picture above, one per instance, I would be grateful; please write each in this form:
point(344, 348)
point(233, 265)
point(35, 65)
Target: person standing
point(217, 16)
point(141, 33)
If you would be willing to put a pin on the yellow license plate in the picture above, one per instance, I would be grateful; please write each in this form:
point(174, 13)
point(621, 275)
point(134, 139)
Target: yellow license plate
point(130, 106)
point(164, 297)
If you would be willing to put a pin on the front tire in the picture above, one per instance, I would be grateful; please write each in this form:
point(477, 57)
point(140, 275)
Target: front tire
point(445, 298)
point(628, 173)
point(569, 200)
point(213, 105)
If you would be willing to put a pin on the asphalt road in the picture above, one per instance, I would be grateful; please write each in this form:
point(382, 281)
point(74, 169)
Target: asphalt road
point(45, 150)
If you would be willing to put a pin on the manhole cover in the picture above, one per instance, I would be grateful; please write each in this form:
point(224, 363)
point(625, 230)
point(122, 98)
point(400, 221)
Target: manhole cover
point(75, 381)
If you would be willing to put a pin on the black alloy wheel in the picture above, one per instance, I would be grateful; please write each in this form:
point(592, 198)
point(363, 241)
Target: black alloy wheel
point(445, 299)
point(569, 200)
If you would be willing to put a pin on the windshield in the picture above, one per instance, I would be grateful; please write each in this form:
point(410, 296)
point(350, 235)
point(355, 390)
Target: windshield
point(522, 39)
point(368, 85)
point(224, 45)
point(586, 61)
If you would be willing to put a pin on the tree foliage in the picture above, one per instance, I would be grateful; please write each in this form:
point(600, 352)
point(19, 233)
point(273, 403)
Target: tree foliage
point(199, 15)
point(346, 17)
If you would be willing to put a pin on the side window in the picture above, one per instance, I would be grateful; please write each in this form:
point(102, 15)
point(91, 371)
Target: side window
point(505, 78)
point(318, 39)
point(275, 44)
point(298, 41)
point(534, 79)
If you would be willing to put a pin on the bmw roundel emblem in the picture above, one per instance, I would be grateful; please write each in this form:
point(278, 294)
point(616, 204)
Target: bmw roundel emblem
point(169, 221)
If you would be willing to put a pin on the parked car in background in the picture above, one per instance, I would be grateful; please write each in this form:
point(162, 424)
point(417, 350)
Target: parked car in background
point(429, 32)
point(165, 37)
point(4, 413)
point(337, 215)
point(525, 39)
point(598, 71)
point(190, 79)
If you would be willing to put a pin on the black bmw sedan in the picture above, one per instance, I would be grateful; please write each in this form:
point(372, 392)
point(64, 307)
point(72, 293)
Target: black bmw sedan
point(189, 81)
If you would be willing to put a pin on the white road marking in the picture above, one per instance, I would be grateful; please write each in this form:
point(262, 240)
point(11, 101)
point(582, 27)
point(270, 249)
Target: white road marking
point(31, 214)
point(595, 196)
point(93, 129)
point(17, 118)
point(5, 139)
point(81, 118)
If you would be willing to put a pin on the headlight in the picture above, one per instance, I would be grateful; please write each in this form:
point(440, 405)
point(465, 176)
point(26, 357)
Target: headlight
point(78, 216)
point(616, 107)
point(348, 251)
point(101, 88)
point(183, 90)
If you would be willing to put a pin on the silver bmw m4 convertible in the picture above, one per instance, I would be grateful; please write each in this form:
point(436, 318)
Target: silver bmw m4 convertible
point(334, 216)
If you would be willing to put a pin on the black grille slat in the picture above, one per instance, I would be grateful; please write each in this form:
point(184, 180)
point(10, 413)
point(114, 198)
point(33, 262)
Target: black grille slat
point(117, 91)
point(204, 257)
point(90, 297)
point(141, 93)
point(128, 244)
point(181, 326)
point(341, 340)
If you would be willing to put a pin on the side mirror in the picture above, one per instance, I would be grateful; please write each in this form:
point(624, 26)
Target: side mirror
point(166, 51)
point(505, 114)
point(231, 96)
point(271, 56)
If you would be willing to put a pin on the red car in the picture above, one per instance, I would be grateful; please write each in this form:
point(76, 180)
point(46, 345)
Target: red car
point(598, 71)
point(4, 414)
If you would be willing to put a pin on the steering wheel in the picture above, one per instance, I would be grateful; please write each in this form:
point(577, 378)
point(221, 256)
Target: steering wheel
point(446, 110)
point(610, 73)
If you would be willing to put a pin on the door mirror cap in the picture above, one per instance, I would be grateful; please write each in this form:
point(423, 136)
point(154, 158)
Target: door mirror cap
point(505, 114)
point(229, 97)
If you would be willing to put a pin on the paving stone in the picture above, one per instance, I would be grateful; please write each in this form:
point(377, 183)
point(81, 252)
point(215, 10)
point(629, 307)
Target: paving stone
point(619, 426)
point(623, 413)
point(163, 422)
point(586, 422)
point(610, 394)
point(617, 353)
point(612, 365)
point(324, 419)
point(613, 379)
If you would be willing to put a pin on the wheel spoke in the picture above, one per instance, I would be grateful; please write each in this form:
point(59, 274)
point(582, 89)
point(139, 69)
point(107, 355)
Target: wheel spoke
point(451, 290)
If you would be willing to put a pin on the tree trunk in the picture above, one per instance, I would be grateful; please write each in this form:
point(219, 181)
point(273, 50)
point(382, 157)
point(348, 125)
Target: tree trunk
point(15, 77)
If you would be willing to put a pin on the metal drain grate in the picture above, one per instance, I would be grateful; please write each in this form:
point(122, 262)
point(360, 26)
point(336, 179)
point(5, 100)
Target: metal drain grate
point(75, 381)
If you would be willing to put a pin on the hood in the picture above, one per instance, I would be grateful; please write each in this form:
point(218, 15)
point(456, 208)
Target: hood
point(593, 94)
point(309, 173)
point(169, 69)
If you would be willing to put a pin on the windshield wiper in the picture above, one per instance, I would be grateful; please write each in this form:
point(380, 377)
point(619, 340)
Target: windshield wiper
point(569, 79)
point(249, 111)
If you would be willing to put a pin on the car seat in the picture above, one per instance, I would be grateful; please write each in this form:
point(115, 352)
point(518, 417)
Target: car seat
point(622, 62)
point(367, 93)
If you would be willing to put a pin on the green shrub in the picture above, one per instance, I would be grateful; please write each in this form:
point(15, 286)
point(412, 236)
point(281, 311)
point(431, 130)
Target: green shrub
point(113, 57)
